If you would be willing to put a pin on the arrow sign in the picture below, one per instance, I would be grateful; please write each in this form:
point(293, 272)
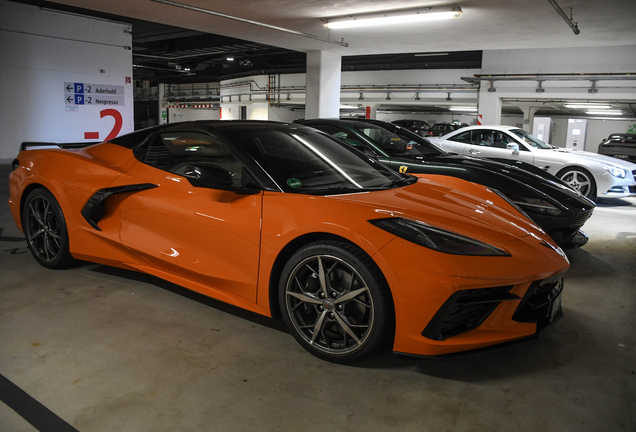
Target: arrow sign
point(69, 88)
point(69, 99)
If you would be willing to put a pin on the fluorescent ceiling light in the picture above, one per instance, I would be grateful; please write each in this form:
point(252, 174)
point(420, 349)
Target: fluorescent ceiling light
point(587, 106)
point(462, 108)
point(430, 54)
point(349, 106)
point(398, 17)
point(604, 112)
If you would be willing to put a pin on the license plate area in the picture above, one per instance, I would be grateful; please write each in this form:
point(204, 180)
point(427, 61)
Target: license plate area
point(555, 300)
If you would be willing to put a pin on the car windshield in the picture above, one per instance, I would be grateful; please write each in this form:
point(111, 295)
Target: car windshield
point(402, 143)
point(302, 160)
point(530, 139)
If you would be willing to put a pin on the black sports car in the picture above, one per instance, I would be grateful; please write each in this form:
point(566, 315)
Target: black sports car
point(557, 208)
point(620, 146)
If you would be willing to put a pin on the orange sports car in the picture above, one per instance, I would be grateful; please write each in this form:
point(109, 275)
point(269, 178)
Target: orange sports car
point(283, 220)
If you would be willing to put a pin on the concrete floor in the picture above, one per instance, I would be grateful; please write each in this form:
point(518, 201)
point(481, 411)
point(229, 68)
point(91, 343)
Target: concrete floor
point(110, 350)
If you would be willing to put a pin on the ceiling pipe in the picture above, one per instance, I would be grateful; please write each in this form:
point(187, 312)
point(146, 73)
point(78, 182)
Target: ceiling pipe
point(574, 26)
point(246, 21)
point(475, 79)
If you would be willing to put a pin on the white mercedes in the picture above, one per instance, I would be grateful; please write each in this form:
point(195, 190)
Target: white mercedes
point(591, 174)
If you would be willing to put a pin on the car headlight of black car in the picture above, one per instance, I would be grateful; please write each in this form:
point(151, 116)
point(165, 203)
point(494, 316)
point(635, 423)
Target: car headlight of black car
point(536, 204)
point(436, 238)
point(511, 202)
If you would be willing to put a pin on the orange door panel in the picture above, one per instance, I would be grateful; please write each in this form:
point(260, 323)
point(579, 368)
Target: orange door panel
point(211, 236)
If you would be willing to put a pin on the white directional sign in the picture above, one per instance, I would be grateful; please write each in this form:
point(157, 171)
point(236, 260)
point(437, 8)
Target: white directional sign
point(93, 94)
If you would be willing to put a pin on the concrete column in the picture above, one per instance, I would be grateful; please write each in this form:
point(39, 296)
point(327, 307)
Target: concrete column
point(528, 116)
point(489, 106)
point(323, 85)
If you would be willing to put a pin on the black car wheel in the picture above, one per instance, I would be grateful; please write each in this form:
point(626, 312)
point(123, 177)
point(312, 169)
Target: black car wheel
point(335, 301)
point(579, 179)
point(45, 229)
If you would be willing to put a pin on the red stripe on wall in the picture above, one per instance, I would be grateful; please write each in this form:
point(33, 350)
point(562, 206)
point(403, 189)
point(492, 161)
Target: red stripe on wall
point(91, 135)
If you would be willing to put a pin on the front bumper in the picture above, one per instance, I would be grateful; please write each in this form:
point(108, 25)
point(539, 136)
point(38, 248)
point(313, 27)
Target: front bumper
point(469, 303)
point(618, 188)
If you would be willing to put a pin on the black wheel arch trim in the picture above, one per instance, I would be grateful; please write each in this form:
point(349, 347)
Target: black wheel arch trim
point(93, 209)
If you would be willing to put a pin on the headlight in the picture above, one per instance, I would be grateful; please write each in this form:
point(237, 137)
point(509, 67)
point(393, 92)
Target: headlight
point(436, 238)
point(511, 202)
point(615, 170)
point(536, 204)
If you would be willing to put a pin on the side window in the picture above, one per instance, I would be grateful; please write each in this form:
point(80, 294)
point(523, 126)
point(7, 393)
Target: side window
point(197, 156)
point(482, 137)
point(500, 139)
point(463, 138)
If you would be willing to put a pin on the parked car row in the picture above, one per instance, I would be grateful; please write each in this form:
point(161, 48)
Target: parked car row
point(424, 129)
point(314, 226)
point(419, 127)
point(558, 209)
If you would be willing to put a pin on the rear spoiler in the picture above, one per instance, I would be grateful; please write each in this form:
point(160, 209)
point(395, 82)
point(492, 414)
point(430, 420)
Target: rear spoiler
point(28, 145)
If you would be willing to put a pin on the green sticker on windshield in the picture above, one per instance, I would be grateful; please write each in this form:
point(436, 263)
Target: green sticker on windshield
point(295, 183)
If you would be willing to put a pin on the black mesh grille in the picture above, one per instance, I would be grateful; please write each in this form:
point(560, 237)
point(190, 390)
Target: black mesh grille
point(466, 310)
point(577, 220)
point(536, 303)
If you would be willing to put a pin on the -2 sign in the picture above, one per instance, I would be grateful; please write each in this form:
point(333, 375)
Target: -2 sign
point(118, 122)
point(116, 127)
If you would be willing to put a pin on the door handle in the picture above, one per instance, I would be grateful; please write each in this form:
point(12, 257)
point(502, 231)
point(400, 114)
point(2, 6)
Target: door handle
point(473, 152)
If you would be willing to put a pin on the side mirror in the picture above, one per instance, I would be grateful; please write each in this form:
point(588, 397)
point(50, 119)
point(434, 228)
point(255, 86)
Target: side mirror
point(370, 153)
point(512, 146)
point(207, 176)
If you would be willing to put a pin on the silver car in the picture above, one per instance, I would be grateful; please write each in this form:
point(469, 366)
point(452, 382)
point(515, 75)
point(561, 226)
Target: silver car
point(593, 175)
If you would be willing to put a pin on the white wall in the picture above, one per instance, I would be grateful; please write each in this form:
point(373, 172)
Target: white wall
point(597, 131)
point(176, 115)
point(572, 85)
point(40, 51)
point(620, 59)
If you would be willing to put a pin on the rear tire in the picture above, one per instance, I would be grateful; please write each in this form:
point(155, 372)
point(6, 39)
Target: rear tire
point(45, 230)
point(335, 301)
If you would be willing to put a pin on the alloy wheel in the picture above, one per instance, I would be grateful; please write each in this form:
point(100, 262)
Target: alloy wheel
point(329, 304)
point(579, 181)
point(43, 229)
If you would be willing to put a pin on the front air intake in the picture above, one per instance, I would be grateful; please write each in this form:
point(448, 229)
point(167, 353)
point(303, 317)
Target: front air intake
point(466, 310)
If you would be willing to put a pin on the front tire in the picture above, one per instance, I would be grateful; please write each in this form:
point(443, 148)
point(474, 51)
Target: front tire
point(45, 230)
point(579, 179)
point(335, 301)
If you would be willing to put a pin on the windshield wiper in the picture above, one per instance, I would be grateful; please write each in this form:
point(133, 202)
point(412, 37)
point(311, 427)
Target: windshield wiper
point(331, 189)
point(404, 181)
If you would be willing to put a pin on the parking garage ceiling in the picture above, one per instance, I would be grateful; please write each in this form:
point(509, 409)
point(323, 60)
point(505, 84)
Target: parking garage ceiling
point(176, 45)
point(168, 33)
